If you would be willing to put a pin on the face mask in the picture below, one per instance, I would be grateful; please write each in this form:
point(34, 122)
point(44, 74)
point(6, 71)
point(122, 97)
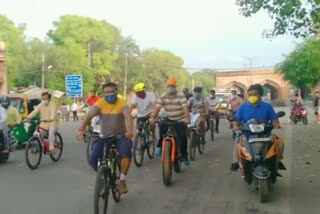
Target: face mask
point(253, 99)
point(141, 94)
point(171, 90)
point(111, 98)
point(45, 102)
point(233, 96)
point(197, 95)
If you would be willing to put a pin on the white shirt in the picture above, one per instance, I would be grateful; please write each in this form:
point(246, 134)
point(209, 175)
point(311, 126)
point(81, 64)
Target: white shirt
point(213, 103)
point(3, 118)
point(144, 106)
point(74, 107)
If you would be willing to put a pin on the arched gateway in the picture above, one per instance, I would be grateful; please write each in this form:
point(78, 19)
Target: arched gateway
point(275, 86)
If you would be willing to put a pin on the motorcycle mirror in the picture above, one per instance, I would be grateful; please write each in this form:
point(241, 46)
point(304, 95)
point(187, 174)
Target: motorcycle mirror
point(281, 114)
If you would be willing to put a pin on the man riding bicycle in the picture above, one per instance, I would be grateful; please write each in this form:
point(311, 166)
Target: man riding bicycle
point(199, 105)
point(144, 102)
point(115, 120)
point(48, 116)
point(176, 107)
point(214, 104)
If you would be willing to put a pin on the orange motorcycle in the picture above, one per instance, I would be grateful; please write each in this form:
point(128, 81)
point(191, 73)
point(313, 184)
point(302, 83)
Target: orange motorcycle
point(259, 153)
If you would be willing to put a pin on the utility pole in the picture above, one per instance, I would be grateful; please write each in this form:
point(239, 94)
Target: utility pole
point(125, 78)
point(43, 69)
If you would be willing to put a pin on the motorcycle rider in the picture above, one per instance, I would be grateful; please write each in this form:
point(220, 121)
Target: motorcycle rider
point(234, 102)
point(254, 109)
point(176, 107)
point(3, 129)
point(114, 120)
point(48, 116)
point(214, 104)
point(296, 102)
point(199, 105)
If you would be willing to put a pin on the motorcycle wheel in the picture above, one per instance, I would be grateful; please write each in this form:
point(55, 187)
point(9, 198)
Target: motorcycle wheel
point(263, 190)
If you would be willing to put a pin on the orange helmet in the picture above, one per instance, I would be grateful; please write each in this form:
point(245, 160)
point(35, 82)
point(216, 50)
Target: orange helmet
point(172, 82)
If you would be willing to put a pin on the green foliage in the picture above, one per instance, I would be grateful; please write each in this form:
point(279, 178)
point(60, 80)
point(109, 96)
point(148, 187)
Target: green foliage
point(296, 17)
point(205, 79)
point(302, 66)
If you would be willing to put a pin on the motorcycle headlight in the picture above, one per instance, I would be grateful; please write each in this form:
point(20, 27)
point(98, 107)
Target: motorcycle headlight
point(257, 128)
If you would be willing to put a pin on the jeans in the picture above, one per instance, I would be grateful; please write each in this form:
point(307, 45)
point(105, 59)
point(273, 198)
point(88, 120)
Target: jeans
point(75, 116)
point(123, 146)
point(5, 137)
point(181, 130)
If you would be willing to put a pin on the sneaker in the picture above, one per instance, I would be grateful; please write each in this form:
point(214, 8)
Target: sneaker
point(186, 161)
point(217, 131)
point(234, 167)
point(158, 152)
point(123, 187)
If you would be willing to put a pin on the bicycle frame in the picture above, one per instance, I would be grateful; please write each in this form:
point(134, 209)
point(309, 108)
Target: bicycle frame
point(39, 135)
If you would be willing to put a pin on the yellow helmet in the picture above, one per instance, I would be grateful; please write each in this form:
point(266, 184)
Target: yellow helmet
point(139, 87)
point(120, 96)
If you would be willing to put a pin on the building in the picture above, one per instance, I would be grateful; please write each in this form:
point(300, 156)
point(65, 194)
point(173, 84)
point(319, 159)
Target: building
point(274, 82)
point(3, 71)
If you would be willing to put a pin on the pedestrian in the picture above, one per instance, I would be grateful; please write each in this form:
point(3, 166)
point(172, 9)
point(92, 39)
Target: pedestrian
point(68, 112)
point(64, 112)
point(316, 106)
point(74, 109)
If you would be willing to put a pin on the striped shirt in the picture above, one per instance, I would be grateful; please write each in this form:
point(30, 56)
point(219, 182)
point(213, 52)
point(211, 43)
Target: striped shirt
point(173, 106)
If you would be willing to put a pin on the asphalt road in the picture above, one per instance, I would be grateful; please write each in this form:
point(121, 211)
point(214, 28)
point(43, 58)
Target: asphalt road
point(206, 186)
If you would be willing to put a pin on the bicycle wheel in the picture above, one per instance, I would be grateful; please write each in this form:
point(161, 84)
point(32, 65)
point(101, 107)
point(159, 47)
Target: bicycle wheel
point(211, 127)
point(167, 164)
point(101, 190)
point(151, 146)
point(33, 153)
point(201, 144)
point(58, 148)
point(116, 180)
point(192, 145)
point(138, 150)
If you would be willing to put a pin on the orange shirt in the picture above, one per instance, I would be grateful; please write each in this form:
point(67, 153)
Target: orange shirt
point(92, 100)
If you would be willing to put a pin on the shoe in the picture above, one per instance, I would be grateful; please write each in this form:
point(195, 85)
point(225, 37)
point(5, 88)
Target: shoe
point(123, 187)
point(158, 152)
point(186, 161)
point(234, 167)
point(217, 131)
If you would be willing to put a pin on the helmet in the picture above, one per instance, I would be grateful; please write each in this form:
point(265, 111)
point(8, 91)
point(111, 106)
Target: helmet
point(198, 89)
point(100, 92)
point(5, 101)
point(139, 87)
point(172, 82)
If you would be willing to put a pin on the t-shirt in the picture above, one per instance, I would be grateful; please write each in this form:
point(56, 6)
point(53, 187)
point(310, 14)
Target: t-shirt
point(112, 120)
point(197, 105)
point(74, 107)
point(262, 111)
point(173, 106)
point(235, 103)
point(47, 112)
point(213, 103)
point(92, 100)
point(13, 116)
point(144, 106)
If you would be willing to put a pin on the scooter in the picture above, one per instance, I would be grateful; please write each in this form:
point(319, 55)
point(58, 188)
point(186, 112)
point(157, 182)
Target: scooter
point(259, 155)
point(3, 156)
point(300, 115)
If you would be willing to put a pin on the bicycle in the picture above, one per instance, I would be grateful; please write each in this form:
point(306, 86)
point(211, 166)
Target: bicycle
point(142, 141)
point(39, 144)
point(171, 154)
point(195, 138)
point(108, 175)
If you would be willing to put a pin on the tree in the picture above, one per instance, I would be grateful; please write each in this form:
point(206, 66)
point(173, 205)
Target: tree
point(300, 18)
point(205, 79)
point(302, 66)
point(13, 36)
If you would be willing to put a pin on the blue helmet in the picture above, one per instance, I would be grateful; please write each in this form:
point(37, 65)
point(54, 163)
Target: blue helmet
point(198, 89)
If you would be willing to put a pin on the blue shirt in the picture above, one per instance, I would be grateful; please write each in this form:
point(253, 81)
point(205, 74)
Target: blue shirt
point(262, 111)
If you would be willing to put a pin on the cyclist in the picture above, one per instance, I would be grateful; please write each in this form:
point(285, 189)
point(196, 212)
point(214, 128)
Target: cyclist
point(144, 102)
point(187, 93)
point(214, 103)
point(92, 99)
point(48, 116)
point(199, 105)
point(176, 107)
point(3, 129)
point(115, 119)
point(234, 103)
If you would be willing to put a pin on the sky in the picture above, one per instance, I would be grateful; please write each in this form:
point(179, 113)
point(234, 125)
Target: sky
point(205, 33)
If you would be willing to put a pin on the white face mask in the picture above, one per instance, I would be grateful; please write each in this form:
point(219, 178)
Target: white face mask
point(233, 96)
point(45, 102)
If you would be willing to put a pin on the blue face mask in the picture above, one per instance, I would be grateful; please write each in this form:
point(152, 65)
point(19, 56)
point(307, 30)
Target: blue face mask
point(111, 98)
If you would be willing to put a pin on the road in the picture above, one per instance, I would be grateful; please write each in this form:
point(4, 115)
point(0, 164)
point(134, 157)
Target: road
point(205, 187)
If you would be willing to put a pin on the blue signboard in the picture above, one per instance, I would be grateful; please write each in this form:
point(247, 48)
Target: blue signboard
point(74, 86)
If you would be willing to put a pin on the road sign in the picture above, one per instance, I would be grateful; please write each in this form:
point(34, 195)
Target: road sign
point(74, 85)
